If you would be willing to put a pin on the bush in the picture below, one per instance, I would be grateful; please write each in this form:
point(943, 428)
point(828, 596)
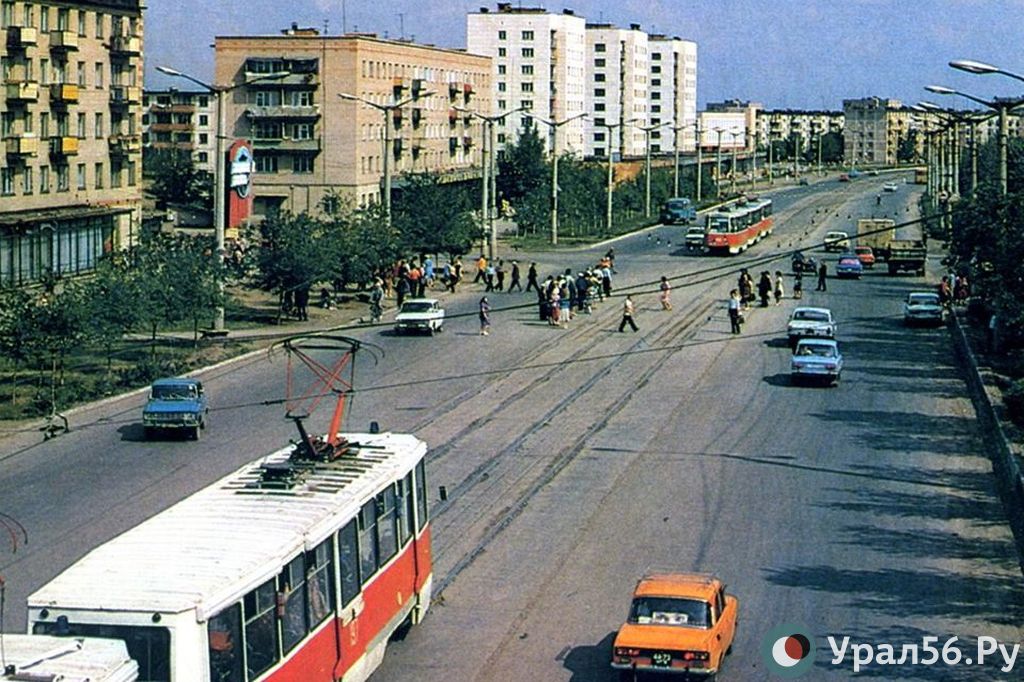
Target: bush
point(1013, 398)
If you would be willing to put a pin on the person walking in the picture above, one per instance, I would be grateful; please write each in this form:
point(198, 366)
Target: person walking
point(499, 273)
point(764, 288)
point(428, 271)
point(485, 316)
point(798, 285)
point(376, 301)
point(822, 275)
point(606, 280)
point(456, 276)
point(666, 289)
point(780, 290)
point(514, 281)
point(481, 269)
point(531, 277)
point(489, 277)
point(302, 302)
point(566, 294)
point(554, 306)
point(734, 311)
point(627, 314)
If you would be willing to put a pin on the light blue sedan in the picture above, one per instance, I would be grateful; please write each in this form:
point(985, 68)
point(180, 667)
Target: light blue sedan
point(816, 359)
point(849, 266)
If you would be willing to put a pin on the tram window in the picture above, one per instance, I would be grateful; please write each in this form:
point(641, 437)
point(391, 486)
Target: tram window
point(260, 629)
point(149, 646)
point(291, 586)
point(387, 541)
point(348, 553)
point(405, 509)
point(318, 582)
point(368, 540)
point(421, 496)
point(224, 635)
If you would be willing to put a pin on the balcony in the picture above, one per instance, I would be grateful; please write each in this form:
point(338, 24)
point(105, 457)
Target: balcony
point(20, 37)
point(63, 93)
point(62, 145)
point(22, 145)
point(397, 147)
point(176, 108)
point(170, 127)
point(63, 41)
point(310, 112)
point(417, 117)
point(287, 144)
point(453, 145)
point(453, 117)
point(396, 118)
point(125, 46)
point(124, 95)
point(22, 91)
point(123, 145)
point(453, 90)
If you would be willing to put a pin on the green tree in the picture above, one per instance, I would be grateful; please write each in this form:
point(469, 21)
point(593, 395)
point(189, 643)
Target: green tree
point(522, 169)
point(176, 179)
point(60, 321)
point(432, 217)
point(289, 252)
point(17, 331)
point(906, 147)
point(832, 147)
point(112, 304)
point(357, 245)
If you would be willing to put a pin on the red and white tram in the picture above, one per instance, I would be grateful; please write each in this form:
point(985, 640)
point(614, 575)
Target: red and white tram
point(294, 568)
point(738, 225)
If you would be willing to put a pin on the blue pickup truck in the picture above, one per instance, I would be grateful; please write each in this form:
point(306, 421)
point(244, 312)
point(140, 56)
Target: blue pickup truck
point(175, 404)
point(678, 210)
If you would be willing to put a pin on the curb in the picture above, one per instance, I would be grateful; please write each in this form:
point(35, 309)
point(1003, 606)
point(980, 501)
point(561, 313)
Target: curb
point(1006, 462)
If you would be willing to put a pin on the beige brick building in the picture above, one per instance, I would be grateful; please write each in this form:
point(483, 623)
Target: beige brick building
point(181, 120)
point(308, 141)
point(70, 174)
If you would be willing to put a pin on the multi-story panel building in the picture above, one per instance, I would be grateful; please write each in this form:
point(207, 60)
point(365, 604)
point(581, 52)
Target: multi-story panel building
point(783, 124)
point(672, 89)
point(617, 92)
point(539, 67)
point(309, 143)
point(734, 117)
point(70, 188)
point(181, 120)
point(866, 134)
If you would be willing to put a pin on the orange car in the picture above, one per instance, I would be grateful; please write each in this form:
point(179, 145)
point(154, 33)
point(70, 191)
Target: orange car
point(866, 255)
point(678, 623)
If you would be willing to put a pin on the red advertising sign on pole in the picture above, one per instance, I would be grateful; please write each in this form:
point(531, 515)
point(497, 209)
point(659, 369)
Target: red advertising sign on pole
point(240, 176)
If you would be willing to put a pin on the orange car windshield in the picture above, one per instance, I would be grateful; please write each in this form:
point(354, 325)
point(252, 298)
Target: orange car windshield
point(694, 613)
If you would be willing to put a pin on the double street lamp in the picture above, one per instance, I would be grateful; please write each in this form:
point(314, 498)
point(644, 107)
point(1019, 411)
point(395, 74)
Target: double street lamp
point(609, 128)
point(219, 185)
point(489, 198)
point(647, 164)
point(387, 110)
point(735, 134)
point(555, 125)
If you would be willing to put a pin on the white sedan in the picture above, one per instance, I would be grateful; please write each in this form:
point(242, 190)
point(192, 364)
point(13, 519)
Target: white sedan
point(817, 359)
point(420, 314)
point(810, 322)
point(890, 187)
point(923, 307)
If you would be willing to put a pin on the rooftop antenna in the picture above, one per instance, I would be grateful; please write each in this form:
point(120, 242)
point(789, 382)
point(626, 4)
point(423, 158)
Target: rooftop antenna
point(401, 25)
point(344, 22)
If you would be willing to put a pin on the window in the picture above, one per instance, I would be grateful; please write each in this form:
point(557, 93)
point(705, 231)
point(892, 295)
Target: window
point(291, 588)
point(267, 98)
point(656, 82)
point(348, 558)
point(421, 496)
point(527, 52)
point(319, 583)
point(44, 19)
point(97, 128)
point(28, 15)
point(7, 181)
point(502, 52)
point(302, 98)
point(599, 77)
point(224, 636)
point(599, 63)
point(387, 536)
point(368, 540)
point(598, 92)
point(204, 138)
point(63, 19)
point(203, 157)
point(599, 47)
point(527, 35)
point(132, 177)
point(62, 179)
point(99, 25)
point(98, 175)
point(80, 175)
point(502, 35)
point(501, 86)
point(204, 101)
point(80, 120)
point(204, 120)
point(26, 181)
point(302, 164)
point(598, 137)
point(526, 104)
point(527, 69)
point(265, 163)
point(302, 131)
point(655, 95)
point(598, 106)
point(655, 108)
point(599, 121)
point(97, 75)
point(44, 179)
point(80, 69)
point(44, 71)
point(656, 56)
point(526, 87)
point(501, 69)
point(406, 510)
point(7, 14)
point(656, 69)
point(115, 174)
point(260, 629)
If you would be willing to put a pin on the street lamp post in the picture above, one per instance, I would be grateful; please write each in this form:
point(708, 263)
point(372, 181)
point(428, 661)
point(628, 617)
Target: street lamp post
point(647, 165)
point(555, 125)
point(718, 164)
point(386, 109)
point(734, 133)
point(771, 152)
point(609, 127)
point(488, 168)
point(700, 161)
point(219, 190)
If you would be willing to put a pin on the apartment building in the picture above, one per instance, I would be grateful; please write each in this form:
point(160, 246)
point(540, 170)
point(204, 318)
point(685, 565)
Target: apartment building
point(808, 125)
point(70, 126)
point(672, 89)
point(309, 143)
point(866, 134)
point(539, 67)
point(617, 92)
point(181, 120)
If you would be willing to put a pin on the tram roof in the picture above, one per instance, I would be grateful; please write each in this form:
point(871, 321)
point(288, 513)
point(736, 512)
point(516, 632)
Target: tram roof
point(68, 659)
point(230, 537)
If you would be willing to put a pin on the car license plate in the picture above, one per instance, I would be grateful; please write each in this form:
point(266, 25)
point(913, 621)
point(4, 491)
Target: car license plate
point(661, 659)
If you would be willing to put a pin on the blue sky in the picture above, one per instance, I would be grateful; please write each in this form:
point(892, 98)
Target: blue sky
point(784, 53)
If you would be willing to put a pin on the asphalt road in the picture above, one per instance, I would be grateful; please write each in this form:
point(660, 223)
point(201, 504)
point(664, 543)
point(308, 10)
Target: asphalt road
point(576, 459)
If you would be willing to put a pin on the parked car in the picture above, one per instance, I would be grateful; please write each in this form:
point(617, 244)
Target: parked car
point(175, 404)
point(890, 187)
point(420, 314)
point(923, 307)
point(807, 321)
point(678, 623)
point(678, 210)
point(837, 240)
point(849, 266)
point(694, 238)
point(816, 359)
point(866, 255)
